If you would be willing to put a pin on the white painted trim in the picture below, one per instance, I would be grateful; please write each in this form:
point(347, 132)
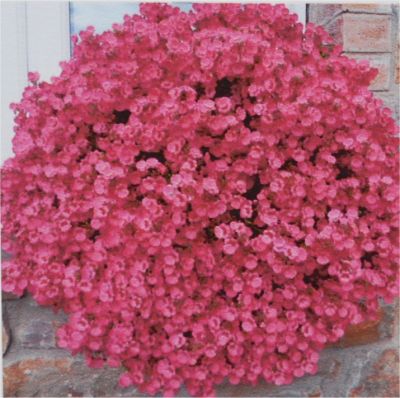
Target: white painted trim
point(299, 9)
point(47, 36)
point(14, 67)
point(35, 36)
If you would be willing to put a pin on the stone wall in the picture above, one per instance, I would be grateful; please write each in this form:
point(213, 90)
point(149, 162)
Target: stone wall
point(365, 363)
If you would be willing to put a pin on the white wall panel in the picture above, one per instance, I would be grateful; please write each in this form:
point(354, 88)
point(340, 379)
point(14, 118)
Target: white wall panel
point(299, 9)
point(48, 39)
point(14, 67)
point(102, 14)
point(34, 37)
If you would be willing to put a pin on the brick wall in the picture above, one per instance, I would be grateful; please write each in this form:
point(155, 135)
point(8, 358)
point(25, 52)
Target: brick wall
point(365, 363)
point(370, 32)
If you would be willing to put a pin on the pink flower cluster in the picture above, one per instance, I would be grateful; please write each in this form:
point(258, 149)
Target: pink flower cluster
point(208, 195)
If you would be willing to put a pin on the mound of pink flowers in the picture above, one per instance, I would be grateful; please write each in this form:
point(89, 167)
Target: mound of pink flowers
point(208, 195)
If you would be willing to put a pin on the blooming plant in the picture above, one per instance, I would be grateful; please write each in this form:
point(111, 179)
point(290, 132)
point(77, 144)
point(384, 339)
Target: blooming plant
point(208, 195)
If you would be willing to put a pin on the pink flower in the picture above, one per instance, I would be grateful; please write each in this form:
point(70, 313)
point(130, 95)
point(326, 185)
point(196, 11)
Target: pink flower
point(208, 195)
point(210, 185)
point(224, 104)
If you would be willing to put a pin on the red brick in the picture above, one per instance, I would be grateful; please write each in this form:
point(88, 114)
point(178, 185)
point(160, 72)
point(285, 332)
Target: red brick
point(50, 373)
point(380, 61)
point(17, 375)
point(383, 380)
point(366, 33)
point(363, 333)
